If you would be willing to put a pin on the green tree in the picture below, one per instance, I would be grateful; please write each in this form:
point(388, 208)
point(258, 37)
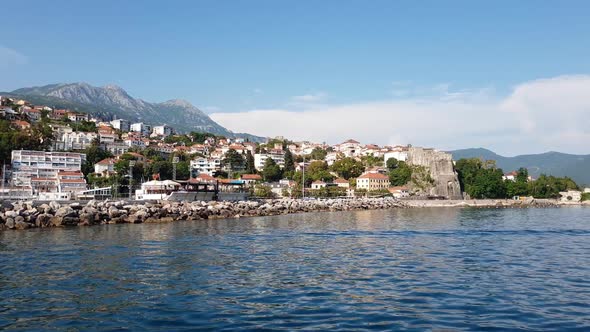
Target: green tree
point(318, 154)
point(250, 169)
point(233, 160)
point(94, 154)
point(263, 191)
point(348, 167)
point(289, 163)
point(271, 171)
point(401, 174)
point(481, 179)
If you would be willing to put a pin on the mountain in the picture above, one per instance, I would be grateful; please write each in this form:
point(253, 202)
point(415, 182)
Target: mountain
point(576, 167)
point(111, 101)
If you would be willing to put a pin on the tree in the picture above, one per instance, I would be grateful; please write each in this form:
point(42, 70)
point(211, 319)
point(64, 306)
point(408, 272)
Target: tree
point(94, 154)
point(318, 153)
point(401, 174)
point(271, 171)
point(348, 168)
point(250, 169)
point(289, 168)
point(233, 159)
point(263, 191)
point(371, 161)
point(481, 179)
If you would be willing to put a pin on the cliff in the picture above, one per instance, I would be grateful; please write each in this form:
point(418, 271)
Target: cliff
point(442, 171)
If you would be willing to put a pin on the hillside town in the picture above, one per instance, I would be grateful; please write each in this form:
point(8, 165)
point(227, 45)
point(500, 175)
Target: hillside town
point(51, 153)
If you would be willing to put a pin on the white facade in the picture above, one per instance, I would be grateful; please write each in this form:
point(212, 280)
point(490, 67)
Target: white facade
point(205, 166)
point(28, 164)
point(71, 140)
point(142, 128)
point(400, 155)
point(120, 124)
point(163, 131)
point(260, 159)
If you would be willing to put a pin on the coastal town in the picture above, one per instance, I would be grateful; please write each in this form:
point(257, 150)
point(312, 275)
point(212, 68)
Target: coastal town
point(59, 154)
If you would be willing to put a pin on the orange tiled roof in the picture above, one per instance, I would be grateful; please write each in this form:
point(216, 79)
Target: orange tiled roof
point(374, 176)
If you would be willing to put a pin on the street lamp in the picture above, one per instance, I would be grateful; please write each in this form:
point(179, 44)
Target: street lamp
point(131, 165)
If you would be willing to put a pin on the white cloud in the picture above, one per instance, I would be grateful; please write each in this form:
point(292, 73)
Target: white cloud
point(10, 57)
point(211, 109)
point(541, 115)
point(309, 98)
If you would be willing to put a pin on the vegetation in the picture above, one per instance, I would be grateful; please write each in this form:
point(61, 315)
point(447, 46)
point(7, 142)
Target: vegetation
point(234, 160)
point(289, 169)
point(263, 191)
point(250, 169)
point(348, 168)
point(400, 173)
point(271, 171)
point(318, 154)
point(585, 197)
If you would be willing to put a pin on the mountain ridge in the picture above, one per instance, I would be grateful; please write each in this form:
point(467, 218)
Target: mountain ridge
point(112, 101)
point(550, 163)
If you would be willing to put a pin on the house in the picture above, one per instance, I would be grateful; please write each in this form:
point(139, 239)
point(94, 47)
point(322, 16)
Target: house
point(77, 117)
point(510, 176)
point(67, 139)
point(372, 181)
point(399, 192)
point(203, 178)
point(8, 113)
point(39, 169)
point(250, 179)
point(586, 190)
point(342, 183)
point(31, 113)
point(105, 166)
point(21, 125)
point(349, 148)
point(318, 185)
point(571, 196)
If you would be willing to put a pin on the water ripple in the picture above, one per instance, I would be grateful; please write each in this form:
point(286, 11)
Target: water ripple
point(438, 269)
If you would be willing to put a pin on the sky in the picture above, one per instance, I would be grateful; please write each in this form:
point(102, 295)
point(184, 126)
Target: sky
point(511, 76)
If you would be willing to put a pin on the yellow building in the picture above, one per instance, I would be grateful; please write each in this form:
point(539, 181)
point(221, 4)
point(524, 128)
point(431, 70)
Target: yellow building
point(372, 181)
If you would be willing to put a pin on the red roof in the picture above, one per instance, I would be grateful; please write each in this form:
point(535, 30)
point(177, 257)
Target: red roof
point(69, 173)
point(106, 161)
point(204, 176)
point(73, 181)
point(251, 177)
point(351, 141)
point(374, 176)
point(340, 180)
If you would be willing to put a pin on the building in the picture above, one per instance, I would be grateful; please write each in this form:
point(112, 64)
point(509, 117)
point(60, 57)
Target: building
point(260, 159)
point(342, 183)
point(162, 131)
point(399, 152)
point(318, 185)
point(77, 117)
point(142, 128)
point(21, 125)
point(42, 166)
point(350, 148)
point(207, 166)
point(116, 148)
point(106, 135)
point(120, 124)
point(399, 192)
point(372, 181)
point(510, 176)
point(571, 196)
point(71, 182)
point(67, 139)
point(105, 166)
point(250, 179)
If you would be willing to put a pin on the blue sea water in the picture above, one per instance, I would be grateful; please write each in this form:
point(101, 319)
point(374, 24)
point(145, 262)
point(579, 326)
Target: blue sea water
point(417, 269)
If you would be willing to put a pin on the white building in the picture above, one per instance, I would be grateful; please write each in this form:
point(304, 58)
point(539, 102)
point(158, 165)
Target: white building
point(260, 159)
point(205, 166)
point(142, 128)
point(67, 139)
point(43, 166)
point(105, 166)
point(163, 131)
point(120, 124)
point(571, 196)
point(350, 148)
point(398, 152)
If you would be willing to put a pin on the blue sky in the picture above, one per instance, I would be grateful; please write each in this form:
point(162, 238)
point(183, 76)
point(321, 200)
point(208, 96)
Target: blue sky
point(239, 56)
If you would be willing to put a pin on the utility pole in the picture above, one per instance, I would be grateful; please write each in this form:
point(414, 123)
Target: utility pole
point(174, 162)
point(3, 177)
point(303, 179)
point(131, 164)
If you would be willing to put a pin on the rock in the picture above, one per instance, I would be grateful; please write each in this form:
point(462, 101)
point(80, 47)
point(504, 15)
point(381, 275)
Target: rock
point(65, 211)
point(114, 212)
point(54, 205)
point(21, 225)
point(43, 220)
point(9, 223)
point(11, 214)
point(56, 221)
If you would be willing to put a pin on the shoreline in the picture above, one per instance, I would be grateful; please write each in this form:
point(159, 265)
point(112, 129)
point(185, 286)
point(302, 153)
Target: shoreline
point(24, 215)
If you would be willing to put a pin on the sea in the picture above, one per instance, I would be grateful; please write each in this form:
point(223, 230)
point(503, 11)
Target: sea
point(439, 269)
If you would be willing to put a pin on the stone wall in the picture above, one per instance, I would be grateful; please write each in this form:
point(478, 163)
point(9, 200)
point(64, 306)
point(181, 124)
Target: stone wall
point(440, 165)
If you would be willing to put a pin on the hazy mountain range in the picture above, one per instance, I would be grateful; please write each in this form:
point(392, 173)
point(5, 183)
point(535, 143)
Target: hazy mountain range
point(576, 167)
point(111, 101)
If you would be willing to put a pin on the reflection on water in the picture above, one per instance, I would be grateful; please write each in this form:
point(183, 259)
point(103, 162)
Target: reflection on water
point(421, 269)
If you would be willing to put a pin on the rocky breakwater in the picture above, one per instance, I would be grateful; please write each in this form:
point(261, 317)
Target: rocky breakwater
point(24, 215)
